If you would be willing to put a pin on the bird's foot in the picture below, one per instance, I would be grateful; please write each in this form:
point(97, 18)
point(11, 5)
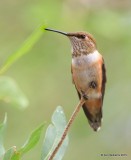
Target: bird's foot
point(84, 95)
point(93, 84)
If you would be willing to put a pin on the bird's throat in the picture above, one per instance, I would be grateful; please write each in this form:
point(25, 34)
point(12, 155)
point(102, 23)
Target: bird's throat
point(76, 52)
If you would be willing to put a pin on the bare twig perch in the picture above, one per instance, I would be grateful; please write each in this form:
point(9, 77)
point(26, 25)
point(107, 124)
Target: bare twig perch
point(81, 102)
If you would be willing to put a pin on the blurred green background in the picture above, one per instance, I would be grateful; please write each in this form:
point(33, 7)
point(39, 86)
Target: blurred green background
point(45, 78)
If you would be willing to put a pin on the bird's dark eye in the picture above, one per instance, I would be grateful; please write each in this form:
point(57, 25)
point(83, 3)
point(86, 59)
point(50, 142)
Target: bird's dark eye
point(82, 36)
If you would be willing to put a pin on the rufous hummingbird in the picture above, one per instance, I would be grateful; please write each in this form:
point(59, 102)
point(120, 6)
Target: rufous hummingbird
point(88, 74)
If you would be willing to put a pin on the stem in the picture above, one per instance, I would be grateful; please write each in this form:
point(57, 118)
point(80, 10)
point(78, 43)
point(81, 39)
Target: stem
point(73, 116)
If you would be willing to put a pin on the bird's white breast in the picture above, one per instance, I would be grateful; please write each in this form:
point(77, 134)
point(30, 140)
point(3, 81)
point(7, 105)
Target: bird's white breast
point(86, 69)
point(85, 60)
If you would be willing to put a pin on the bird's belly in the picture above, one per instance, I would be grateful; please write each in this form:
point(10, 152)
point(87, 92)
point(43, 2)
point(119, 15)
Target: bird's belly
point(83, 77)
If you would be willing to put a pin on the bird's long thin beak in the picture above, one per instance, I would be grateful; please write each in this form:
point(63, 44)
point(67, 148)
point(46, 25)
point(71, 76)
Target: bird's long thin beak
point(48, 29)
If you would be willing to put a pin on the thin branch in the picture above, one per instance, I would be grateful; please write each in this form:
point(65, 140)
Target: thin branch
point(73, 116)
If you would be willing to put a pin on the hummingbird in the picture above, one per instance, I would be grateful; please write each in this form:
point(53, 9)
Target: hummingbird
point(88, 74)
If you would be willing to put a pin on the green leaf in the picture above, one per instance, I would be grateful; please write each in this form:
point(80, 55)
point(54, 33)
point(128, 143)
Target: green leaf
point(25, 48)
point(2, 131)
point(16, 156)
point(32, 140)
point(53, 135)
point(8, 154)
point(13, 154)
point(11, 93)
